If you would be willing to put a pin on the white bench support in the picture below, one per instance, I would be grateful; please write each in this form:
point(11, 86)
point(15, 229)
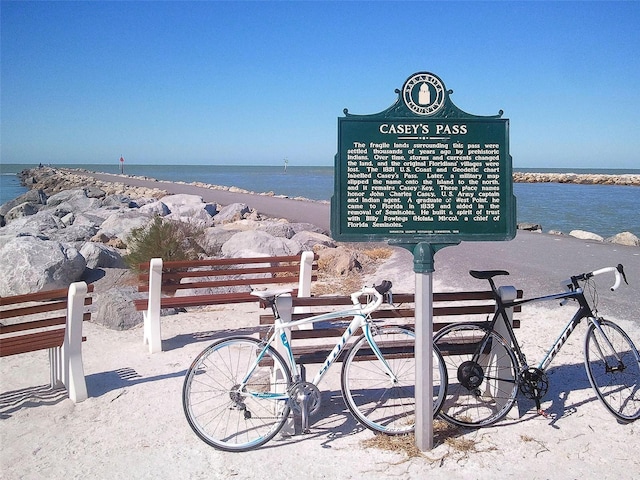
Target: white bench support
point(152, 333)
point(66, 362)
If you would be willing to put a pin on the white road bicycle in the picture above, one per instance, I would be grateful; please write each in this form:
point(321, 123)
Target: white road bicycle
point(239, 391)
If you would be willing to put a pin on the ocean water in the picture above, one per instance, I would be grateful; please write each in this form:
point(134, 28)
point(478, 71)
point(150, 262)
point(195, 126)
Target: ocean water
point(602, 209)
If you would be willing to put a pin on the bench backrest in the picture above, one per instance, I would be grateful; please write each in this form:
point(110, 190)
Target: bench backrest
point(35, 321)
point(448, 307)
point(224, 273)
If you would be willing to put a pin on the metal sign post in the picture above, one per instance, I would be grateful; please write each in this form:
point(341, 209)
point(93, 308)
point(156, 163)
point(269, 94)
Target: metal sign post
point(423, 174)
point(423, 266)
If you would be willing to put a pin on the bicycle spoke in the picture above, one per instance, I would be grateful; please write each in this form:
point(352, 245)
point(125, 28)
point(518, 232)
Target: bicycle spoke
point(613, 374)
point(227, 414)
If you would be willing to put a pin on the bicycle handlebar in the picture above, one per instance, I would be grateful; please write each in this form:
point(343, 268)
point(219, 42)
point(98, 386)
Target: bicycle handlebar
point(618, 272)
point(377, 292)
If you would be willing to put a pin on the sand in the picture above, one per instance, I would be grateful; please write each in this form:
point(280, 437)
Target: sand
point(132, 425)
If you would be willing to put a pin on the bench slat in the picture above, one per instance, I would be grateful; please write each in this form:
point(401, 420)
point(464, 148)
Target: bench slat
point(31, 342)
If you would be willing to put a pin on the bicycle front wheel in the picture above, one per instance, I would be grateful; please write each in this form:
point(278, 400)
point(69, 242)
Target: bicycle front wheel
point(382, 402)
point(613, 368)
point(231, 400)
point(482, 372)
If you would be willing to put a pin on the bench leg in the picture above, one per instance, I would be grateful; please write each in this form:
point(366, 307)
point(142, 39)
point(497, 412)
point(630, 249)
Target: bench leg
point(73, 373)
point(55, 367)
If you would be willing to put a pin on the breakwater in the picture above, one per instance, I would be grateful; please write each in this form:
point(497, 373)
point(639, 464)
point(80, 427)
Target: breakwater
point(577, 178)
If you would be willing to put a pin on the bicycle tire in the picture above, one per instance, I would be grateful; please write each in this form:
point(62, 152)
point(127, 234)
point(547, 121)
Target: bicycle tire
point(478, 393)
point(376, 401)
point(220, 414)
point(616, 385)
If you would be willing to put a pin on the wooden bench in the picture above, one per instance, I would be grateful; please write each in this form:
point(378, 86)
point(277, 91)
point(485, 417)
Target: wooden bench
point(309, 348)
point(180, 284)
point(49, 320)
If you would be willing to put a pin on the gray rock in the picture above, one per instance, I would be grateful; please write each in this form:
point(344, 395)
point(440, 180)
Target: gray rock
point(98, 255)
point(232, 213)
point(581, 234)
point(310, 239)
point(624, 238)
point(94, 192)
point(115, 308)
point(155, 208)
point(277, 229)
point(25, 209)
point(532, 227)
point(121, 223)
point(32, 196)
point(213, 238)
point(256, 243)
point(38, 265)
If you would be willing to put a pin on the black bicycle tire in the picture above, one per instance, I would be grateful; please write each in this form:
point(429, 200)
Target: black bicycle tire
point(632, 373)
point(457, 391)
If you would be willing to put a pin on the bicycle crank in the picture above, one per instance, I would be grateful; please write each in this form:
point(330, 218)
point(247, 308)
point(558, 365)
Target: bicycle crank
point(534, 385)
point(305, 400)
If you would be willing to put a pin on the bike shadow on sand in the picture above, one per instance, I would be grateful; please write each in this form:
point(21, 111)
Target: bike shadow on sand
point(334, 422)
point(569, 390)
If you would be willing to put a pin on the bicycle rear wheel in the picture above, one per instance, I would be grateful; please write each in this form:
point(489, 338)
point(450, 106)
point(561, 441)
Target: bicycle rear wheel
point(379, 402)
point(615, 377)
point(482, 373)
point(221, 411)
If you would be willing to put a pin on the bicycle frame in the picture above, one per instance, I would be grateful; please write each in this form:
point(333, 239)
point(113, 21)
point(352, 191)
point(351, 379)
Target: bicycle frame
point(584, 311)
point(360, 320)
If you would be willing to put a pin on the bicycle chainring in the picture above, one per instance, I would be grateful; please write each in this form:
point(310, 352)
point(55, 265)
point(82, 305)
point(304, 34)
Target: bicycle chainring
point(300, 391)
point(534, 383)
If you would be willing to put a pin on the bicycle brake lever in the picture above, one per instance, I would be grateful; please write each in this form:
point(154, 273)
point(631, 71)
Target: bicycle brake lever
point(620, 269)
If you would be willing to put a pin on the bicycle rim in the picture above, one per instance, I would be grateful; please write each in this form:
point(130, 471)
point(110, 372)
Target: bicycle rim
point(376, 400)
point(479, 392)
point(617, 384)
point(226, 416)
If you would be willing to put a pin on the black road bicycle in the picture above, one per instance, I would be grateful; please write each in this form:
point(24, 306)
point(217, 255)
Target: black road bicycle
point(485, 369)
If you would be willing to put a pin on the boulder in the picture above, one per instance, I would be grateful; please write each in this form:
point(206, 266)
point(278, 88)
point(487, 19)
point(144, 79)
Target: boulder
point(25, 209)
point(114, 302)
point(531, 227)
point(624, 238)
point(213, 238)
point(338, 261)
point(254, 243)
point(120, 224)
point(98, 255)
point(32, 196)
point(232, 213)
point(155, 208)
point(310, 239)
point(581, 234)
point(38, 265)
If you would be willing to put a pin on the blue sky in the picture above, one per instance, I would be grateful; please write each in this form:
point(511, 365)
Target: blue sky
point(257, 82)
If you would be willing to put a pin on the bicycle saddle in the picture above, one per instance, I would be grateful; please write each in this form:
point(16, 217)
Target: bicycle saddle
point(487, 274)
point(269, 294)
point(384, 287)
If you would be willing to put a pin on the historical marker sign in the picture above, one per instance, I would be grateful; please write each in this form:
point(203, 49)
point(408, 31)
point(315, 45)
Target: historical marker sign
point(423, 171)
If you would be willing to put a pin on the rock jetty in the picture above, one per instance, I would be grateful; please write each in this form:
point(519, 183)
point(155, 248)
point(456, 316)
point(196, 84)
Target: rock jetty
point(69, 228)
point(581, 178)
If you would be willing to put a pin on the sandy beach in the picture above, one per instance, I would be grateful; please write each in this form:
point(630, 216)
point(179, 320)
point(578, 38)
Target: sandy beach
point(132, 425)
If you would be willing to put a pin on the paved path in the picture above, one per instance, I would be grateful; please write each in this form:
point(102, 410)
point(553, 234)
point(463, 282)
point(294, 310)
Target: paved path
point(537, 262)
point(278, 207)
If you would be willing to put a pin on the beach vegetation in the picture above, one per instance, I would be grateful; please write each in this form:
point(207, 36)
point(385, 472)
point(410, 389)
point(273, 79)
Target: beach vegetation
point(163, 238)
